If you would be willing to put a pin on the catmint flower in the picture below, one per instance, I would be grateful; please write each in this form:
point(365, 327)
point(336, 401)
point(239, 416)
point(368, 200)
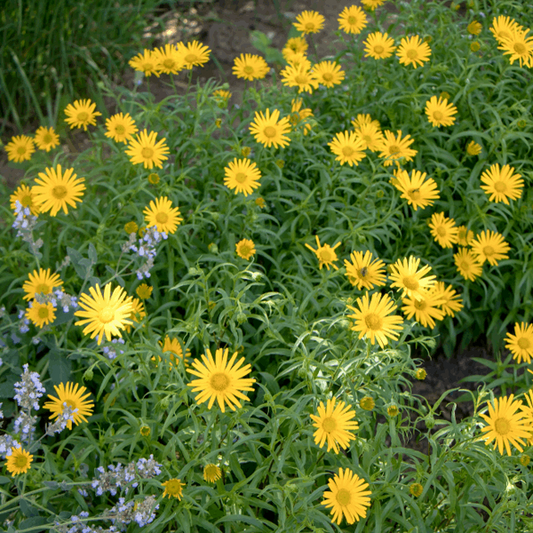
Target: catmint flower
point(28, 390)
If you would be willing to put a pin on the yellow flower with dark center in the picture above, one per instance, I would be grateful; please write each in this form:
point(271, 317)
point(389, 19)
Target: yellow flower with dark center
point(20, 148)
point(18, 461)
point(242, 175)
point(162, 215)
point(104, 314)
point(74, 397)
point(348, 148)
point(474, 28)
point(473, 148)
point(300, 77)
point(443, 229)
point(295, 45)
point(394, 148)
point(245, 248)
point(421, 374)
point(334, 424)
point(328, 73)
point(467, 264)
point(367, 403)
point(521, 343)
point(363, 272)
point(309, 22)
point(352, 19)
point(413, 51)
point(269, 130)
point(168, 60)
point(299, 116)
point(440, 112)
point(418, 191)
point(26, 198)
point(406, 276)
point(503, 28)
point(505, 426)
point(144, 291)
point(221, 380)
point(81, 114)
point(212, 473)
point(40, 282)
point(365, 120)
point(41, 314)
point(416, 489)
point(131, 227)
point(56, 190)
point(46, 138)
point(475, 46)
point(145, 63)
point(425, 310)
point(372, 4)
point(120, 127)
point(464, 236)
point(450, 301)
point(379, 45)
point(250, 67)
point(325, 254)
point(145, 431)
point(490, 246)
point(144, 149)
point(519, 47)
point(371, 137)
point(375, 319)
point(502, 184)
point(347, 497)
point(173, 488)
point(194, 54)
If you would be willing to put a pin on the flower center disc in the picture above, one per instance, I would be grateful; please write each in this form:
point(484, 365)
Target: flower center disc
point(120, 129)
point(325, 255)
point(327, 76)
point(241, 177)
point(394, 149)
point(191, 58)
point(412, 54)
point(169, 64)
point(465, 265)
point(21, 150)
point(162, 218)
point(26, 200)
point(501, 425)
point(488, 251)
point(519, 48)
point(373, 321)
point(524, 343)
point(270, 132)
point(43, 312)
point(21, 461)
point(352, 20)
point(248, 69)
point(414, 194)
point(441, 230)
point(147, 153)
point(83, 116)
point(500, 186)
point(301, 79)
point(173, 487)
point(329, 424)
point(47, 139)
point(219, 381)
point(106, 316)
point(309, 26)
point(42, 288)
point(59, 192)
point(420, 305)
point(344, 497)
point(348, 151)
point(411, 283)
point(378, 49)
point(437, 115)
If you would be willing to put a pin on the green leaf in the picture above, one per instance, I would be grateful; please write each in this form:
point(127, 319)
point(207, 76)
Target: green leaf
point(59, 367)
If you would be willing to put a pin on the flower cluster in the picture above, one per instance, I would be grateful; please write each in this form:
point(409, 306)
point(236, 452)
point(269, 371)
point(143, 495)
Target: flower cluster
point(145, 248)
point(28, 390)
point(24, 224)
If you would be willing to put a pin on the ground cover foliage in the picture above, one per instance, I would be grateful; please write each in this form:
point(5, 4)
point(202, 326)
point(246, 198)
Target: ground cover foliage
point(208, 351)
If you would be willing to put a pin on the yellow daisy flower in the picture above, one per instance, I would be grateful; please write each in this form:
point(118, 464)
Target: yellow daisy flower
point(104, 314)
point(81, 114)
point(299, 61)
point(347, 497)
point(371, 137)
point(144, 291)
point(174, 348)
point(194, 54)
point(521, 343)
point(56, 190)
point(221, 380)
point(519, 47)
point(502, 184)
point(250, 67)
point(145, 150)
point(145, 63)
point(120, 127)
point(18, 461)
point(131, 227)
point(74, 396)
point(413, 51)
point(450, 301)
point(367, 403)
point(222, 96)
point(375, 319)
point(299, 116)
point(464, 236)
point(300, 77)
point(425, 310)
point(363, 272)
point(46, 138)
point(443, 230)
point(40, 282)
point(138, 312)
point(503, 28)
point(474, 28)
point(440, 112)
point(269, 130)
point(328, 73)
point(242, 175)
point(173, 488)
point(365, 120)
point(245, 248)
point(395, 148)
point(418, 191)
point(505, 425)
point(372, 4)
point(334, 423)
point(309, 22)
point(490, 246)
point(406, 276)
point(467, 264)
point(352, 20)
point(168, 60)
point(416, 489)
point(473, 148)
point(24, 195)
point(162, 215)
point(212, 473)
point(325, 254)
point(295, 45)
point(41, 314)
point(348, 148)
point(20, 148)
point(379, 45)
